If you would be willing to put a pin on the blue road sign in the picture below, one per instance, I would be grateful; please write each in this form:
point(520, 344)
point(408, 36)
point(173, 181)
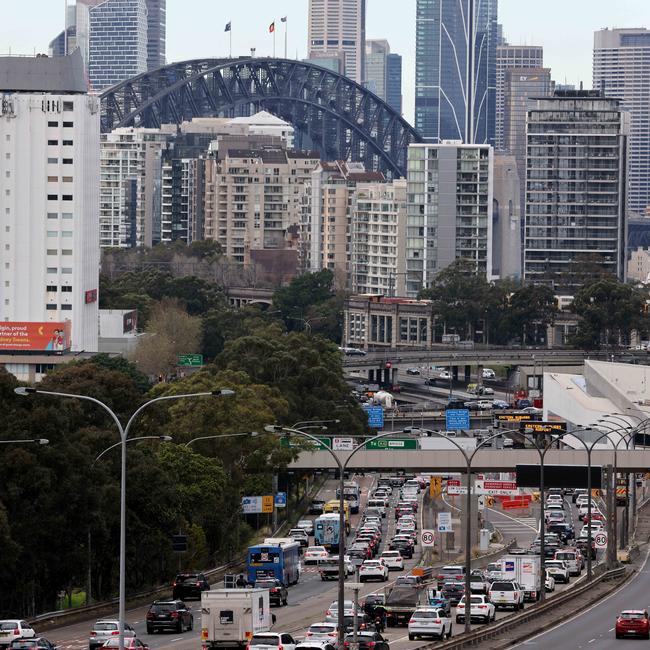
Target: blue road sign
point(375, 416)
point(457, 419)
point(281, 500)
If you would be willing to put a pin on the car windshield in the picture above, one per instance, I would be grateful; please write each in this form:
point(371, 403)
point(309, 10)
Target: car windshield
point(503, 586)
point(187, 577)
point(104, 627)
point(632, 615)
point(430, 614)
point(265, 584)
point(322, 629)
point(25, 643)
point(161, 609)
point(265, 640)
point(8, 625)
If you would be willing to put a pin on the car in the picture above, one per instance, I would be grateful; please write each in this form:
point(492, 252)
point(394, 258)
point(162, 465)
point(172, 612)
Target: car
point(478, 582)
point(499, 404)
point(321, 632)
point(353, 352)
point(133, 643)
point(409, 580)
point(393, 560)
point(480, 608)
point(307, 525)
point(506, 593)
point(189, 585)
point(374, 604)
point(453, 590)
point(373, 569)
point(271, 641)
point(430, 621)
point(508, 443)
point(367, 640)
point(450, 572)
point(169, 615)
point(632, 622)
point(533, 410)
point(549, 582)
point(332, 613)
point(278, 592)
point(35, 643)
point(315, 645)
point(559, 570)
point(404, 546)
point(15, 628)
point(299, 535)
point(412, 371)
point(104, 629)
point(488, 373)
point(315, 553)
point(316, 507)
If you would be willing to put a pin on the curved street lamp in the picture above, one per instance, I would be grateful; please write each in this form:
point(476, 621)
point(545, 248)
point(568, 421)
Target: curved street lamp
point(117, 444)
point(124, 432)
point(26, 441)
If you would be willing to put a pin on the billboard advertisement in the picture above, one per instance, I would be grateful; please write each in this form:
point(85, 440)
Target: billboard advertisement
point(47, 337)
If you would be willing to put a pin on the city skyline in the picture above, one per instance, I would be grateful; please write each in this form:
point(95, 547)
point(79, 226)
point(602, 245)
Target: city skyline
point(567, 50)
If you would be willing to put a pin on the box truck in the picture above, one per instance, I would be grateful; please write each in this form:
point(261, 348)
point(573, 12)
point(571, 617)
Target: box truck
point(524, 569)
point(230, 617)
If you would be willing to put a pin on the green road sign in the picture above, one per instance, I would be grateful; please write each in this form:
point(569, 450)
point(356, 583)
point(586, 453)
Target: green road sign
point(293, 441)
point(190, 360)
point(392, 443)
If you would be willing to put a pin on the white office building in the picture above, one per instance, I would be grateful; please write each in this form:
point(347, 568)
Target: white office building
point(338, 27)
point(49, 205)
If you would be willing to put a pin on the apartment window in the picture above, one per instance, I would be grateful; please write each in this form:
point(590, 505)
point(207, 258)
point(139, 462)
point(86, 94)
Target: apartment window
point(66, 233)
point(66, 307)
point(51, 269)
point(52, 197)
point(52, 161)
point(6, 301)
point(68, 106)
point(52, 233)
point(7, 247)
point(66, 251)
point(67, 179)
point(52, 251)
point(67, 215)
point(7, 228)
point(67, 197)
point(67, 161)
point(50, 307)
point(7, 283)
point(51, 287)
point(8, 192)
point(67, 143)
point(52, 215)
point(53, 143)
point(7, 137)
point(66, 289)
point(7, 210)
point(68, 125)
point(43, 368)
point(52, 179)
point(8, 156)
point(6, 265)
point(53, 124)
point(66, 270)
point(8, 174)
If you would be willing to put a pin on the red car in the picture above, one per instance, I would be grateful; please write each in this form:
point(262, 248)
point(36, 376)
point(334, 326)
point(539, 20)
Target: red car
point(633, 622)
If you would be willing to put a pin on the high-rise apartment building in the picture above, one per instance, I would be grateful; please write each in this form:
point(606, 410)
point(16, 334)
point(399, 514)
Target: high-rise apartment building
point(575, 188)
point(621, 68)
point(447, 107)
point(449, 209)
point(512, 56)
point(339, 27)
point(378, 238)
point(384, 73)
point(156, 33)
point(117, 43)
point(49, 201)
point(507, 217)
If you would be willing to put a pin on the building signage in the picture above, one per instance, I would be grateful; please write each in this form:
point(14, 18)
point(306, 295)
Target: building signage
point(91, 296)
point(50, 337)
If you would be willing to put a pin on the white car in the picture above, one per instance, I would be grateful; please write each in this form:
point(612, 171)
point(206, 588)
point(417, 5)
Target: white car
point(373, 569)
point(549, 583)
point(493, 572)
point(393, 560)
point(307, 525)
point(572, 560)
point(412, 371)
point(11, 629)
point(315, 553)
point(321, 632)
point(272, 641)
point(332, 614)
point(429, 621)
point(506, 593)
point(488, 373)
point(559, 570)
point(480, 608)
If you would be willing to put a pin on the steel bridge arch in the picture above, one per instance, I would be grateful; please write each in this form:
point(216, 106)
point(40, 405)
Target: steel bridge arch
point(342, 119)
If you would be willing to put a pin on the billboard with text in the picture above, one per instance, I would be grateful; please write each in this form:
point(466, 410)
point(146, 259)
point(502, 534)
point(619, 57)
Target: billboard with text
point(46, 337)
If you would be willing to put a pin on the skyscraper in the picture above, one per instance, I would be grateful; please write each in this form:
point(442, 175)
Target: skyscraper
point(384, 73)
point(156, 33)
point(49, 201)
point(575, 196)
point(447, 107)
point(512, 56)
point(621, 67)
point(337, 26)
point(118, 42)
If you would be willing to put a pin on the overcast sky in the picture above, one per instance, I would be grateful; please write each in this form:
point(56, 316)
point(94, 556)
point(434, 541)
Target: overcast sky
point(195, 28)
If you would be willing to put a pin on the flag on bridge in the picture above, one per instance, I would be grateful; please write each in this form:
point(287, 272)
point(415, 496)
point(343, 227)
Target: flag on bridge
point(272, 27)
point(283, 20)
point(227, 29)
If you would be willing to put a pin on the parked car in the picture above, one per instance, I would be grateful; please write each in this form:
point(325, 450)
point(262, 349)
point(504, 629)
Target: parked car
point(189, 585)
point(104, 629)
point(11, 629)
point(430, 621)
point(169, 615)
point(278, 593)
point(35, 643)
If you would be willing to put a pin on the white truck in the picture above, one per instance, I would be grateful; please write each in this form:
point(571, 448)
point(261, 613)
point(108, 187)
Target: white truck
point(230, 617)
point(523, 569)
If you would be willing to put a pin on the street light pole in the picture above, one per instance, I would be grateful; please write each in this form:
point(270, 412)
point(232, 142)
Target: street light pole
point(117, 444)
point(124, 432)
point(26, 441)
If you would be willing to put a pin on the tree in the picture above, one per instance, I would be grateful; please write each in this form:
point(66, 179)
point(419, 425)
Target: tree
point(609, 311)
point(532, 309)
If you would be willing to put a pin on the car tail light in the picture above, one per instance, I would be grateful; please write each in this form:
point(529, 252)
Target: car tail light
point(93, 633)
point(198, 584)
point(459, 577)
point(149, 615)
point(173, 584)
point(411, 621)
point(174, 614)
point(371, 644)
point(438, 621)
point(115, 633)
point(482, 606)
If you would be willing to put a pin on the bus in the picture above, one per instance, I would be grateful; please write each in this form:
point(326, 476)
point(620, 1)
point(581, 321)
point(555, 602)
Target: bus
point(333, 506)
point(274, 558)
point(327, 531)
point(352, 495)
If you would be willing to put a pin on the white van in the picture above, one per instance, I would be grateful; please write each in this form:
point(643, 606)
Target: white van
point(571, 559)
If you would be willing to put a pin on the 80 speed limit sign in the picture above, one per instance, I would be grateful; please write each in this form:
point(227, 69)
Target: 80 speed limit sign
point(428, 538)
point(600, 540)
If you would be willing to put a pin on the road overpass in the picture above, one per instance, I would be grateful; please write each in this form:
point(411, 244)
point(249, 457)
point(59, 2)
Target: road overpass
point(488, 460)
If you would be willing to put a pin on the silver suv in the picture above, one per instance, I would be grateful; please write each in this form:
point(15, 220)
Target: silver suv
point(104, 629)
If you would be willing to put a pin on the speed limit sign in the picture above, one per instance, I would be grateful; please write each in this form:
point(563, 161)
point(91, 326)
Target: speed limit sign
point(428, 538)
point(600, 540)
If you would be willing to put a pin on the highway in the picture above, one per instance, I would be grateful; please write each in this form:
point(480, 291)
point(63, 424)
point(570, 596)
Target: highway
point(310, 598)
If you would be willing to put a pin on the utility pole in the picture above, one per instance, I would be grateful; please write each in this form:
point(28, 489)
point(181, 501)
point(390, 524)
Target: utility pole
point(274, 489)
